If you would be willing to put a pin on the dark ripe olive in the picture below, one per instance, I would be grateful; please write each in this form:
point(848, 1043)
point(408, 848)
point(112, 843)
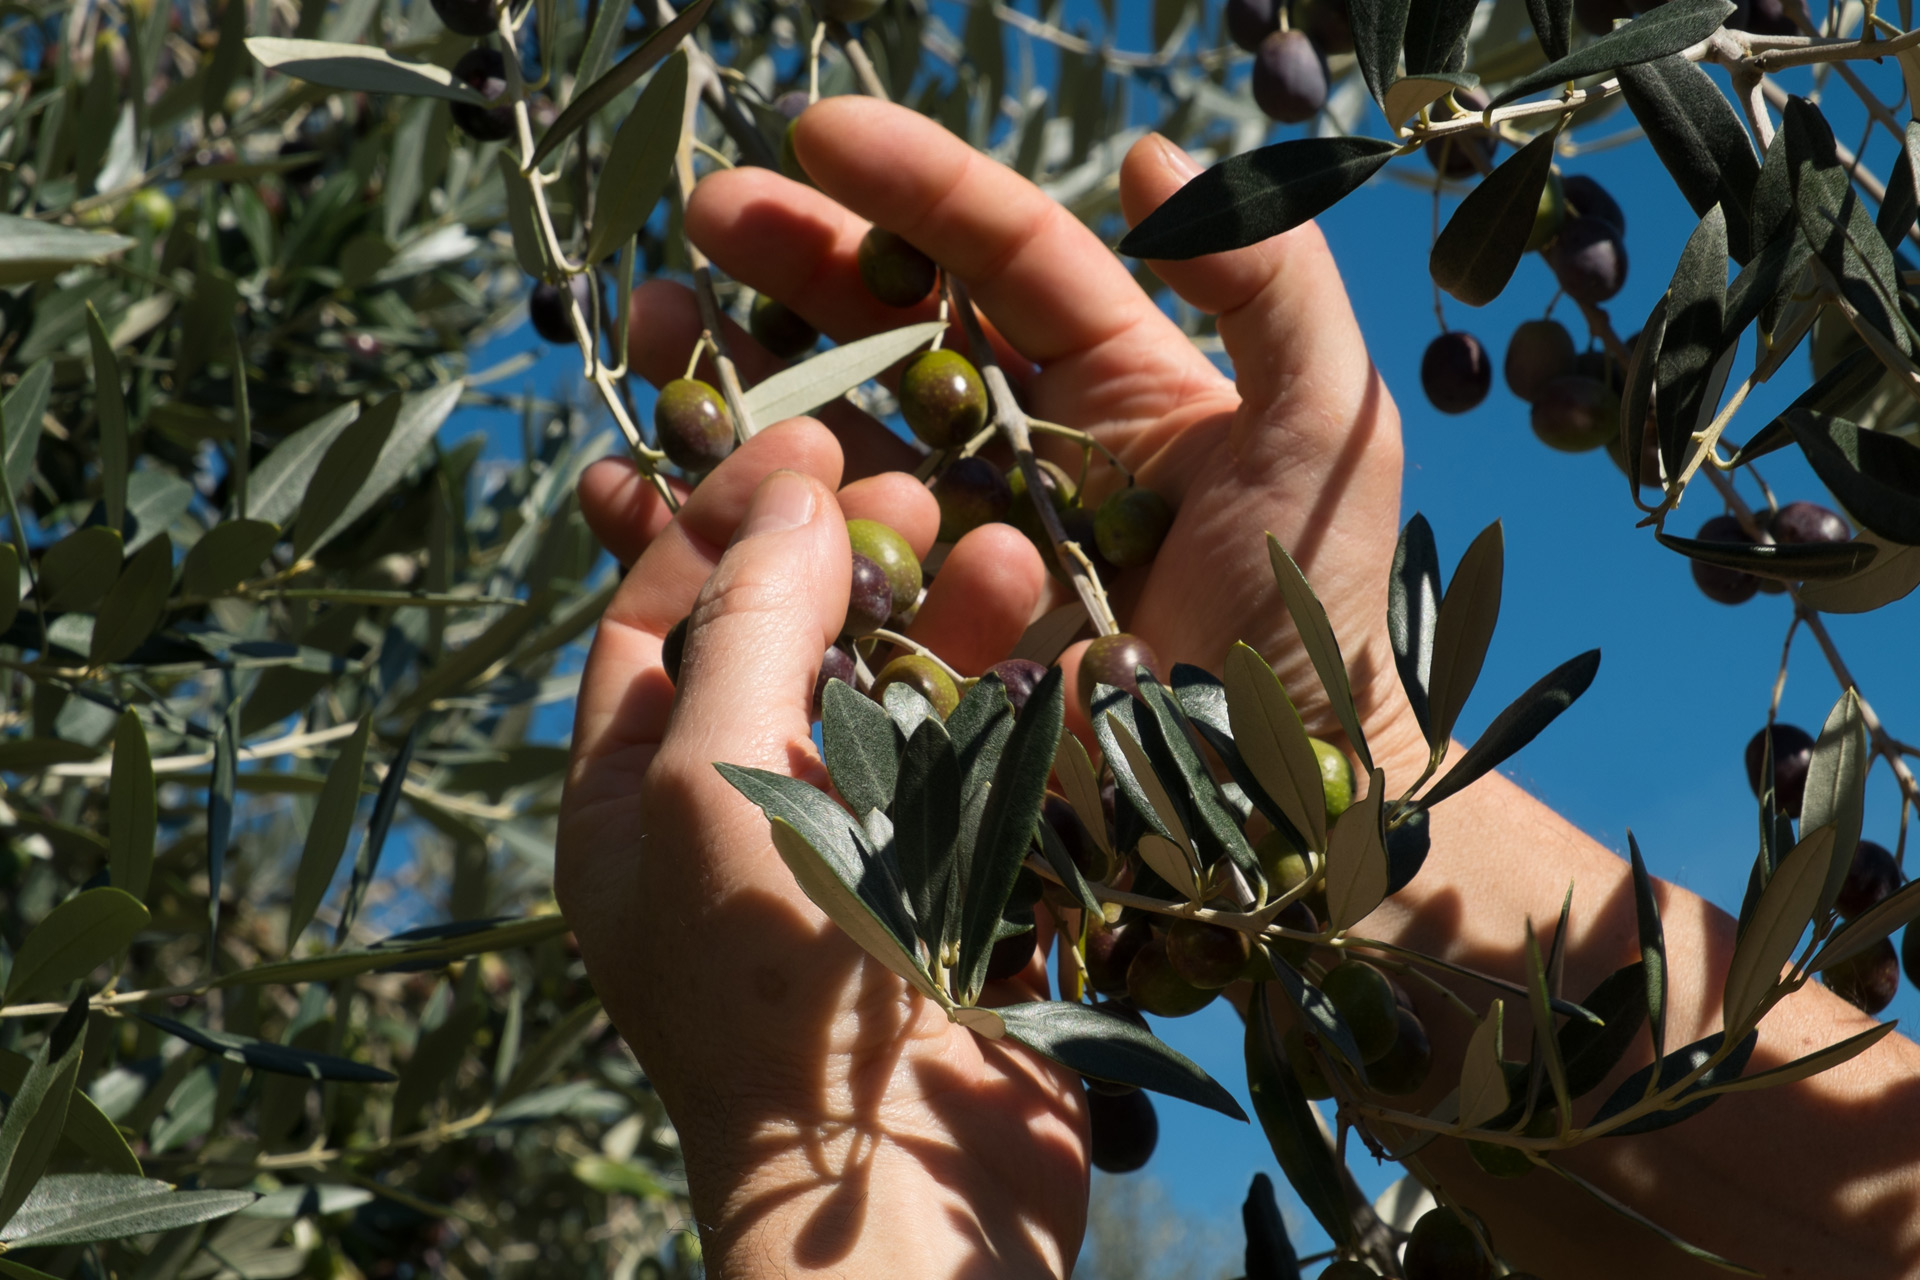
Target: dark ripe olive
point(1596, 17)
point(1728, 586)
point(1808, 522)
point(1327, 23)
point(1306, 1065)
point(1792, 753)
point(1021, 677)
point(1130, 526)
point(1021, 513)
point(1910, 954)
point(1206, 955)
point(835, 664)
point(1588, 199)
point(1871, 879)
point(1124, 1130)
point(550, 312)
point(1764, 18)
point(1549, 215)
point(1403, 1069)
point(1115, 660)
point(1589, 258)
point(895, 272)
point(971, 492)
point(692, 425)
point(1868, 981)
point(1538, 352)
point(791, 103)
point(1349, 1270)
point(1336, 777)
point(1576, 414)
point(1011, 956)
point(1110, 950)
point(467, 17)
point(1443, 1247)
point(895, 557)
point(1455, 372)
point(848, 10)
point(869, 599)
point(1088, 857)
point(673, 647)
point(942, 398)
point(778, 328)
point(1299, 917)
point(1461, 155)
point(1249, 22)
point(1155, 987)
point(924, 676)
point(1365, 1000)
point(484, 71)
point(1599, 364)
point(1289, 80)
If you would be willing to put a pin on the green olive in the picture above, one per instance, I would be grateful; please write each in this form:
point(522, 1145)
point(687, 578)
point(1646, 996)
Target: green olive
point(1365, 1001)
point(1336, 777)
point(1156, 988)
point(924, 676)
point(942, 398)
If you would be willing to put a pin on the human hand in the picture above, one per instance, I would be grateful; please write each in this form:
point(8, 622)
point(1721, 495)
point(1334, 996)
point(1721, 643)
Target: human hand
point(811, 1090)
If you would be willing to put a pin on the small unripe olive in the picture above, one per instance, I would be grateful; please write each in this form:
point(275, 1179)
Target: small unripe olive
point(1115, 660)
point(1130, 526)
point(692, 425)
point(780, 329)
point(971, 492)
point(924, 676)
point(1021, 513)
point(1336, 777)
point(1306, 1066)
point(1575, 414)
point(895, 272)
point(895, 557)
point(1455, 372)
point(1792, 756)
point(1206, 955)
point(942, 398)
point(1123, 1129)
point(1155, 987)
point(1365, 1001)
point(869, 599)
point(1403, 1069)
point(484, 71)
point(1077, 526)
point(790, 155)
point(1284, 866)
point(673, 647)
point(1550, 215)
point(1442, 1247)
point(1538, 352)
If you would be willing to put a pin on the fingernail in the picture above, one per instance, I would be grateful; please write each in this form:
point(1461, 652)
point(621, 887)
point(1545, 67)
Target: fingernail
point(1177, 158)
point(783, 501)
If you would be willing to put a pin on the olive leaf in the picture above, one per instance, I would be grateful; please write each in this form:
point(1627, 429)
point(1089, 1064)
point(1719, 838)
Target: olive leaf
point(1699, 138)
point(87, 1127)
point(264, 1055)
point(1105, 1047)
point(110, 407)
point(1288, 1120)
point(1653, 946)
point(1216, 830)
point(1270, 1254)
point(926, 822)
point(1081, 785)
point(1520, 723)
point(1151, 789)
point(80, 1208)
point(1673, 1068)
point(1204, 699)
point(1864, 930)
point(1789, 562)
point(31, 249)
point(861, 747)
point(134, 606)
point(1413, 611)
point(1468, 613)
point(1379, 31)
point(640, 160)
point(1273, 742)
point(1357, 873)
point(1436, 35)
point(327, 832)
point(430, 947)
point(1476, 253)
point(624, 74)
point(1836, 791)
point(1665, 29)
point(1483, 1083)
point(1892, 574)
point(1902, 203)
point(22, 411)
point(1833, 393)
point(1876, 475)
point(1785, 909)
point(37, 1114)
point(1836, 224)
point(1546, 1042)
point(1259, 194)
point(132, 813)
point(1808, 1065)
point(359, 68)
point(72, 940)
point(1692, 339)
point(1406, 96)
point(1323, 648)
point(1552, 25)
point(822, 379)
point(1590, 1052)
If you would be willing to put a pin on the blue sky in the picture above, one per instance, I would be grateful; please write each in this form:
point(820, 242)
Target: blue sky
point(1657, 744)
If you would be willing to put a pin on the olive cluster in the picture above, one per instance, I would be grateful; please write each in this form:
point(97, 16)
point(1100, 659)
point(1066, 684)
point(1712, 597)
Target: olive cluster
point(1580, 230)
point(1445, 1244)
point(481, 68)
point(1291, 44)
point(1795, 523)
point(1870, 980)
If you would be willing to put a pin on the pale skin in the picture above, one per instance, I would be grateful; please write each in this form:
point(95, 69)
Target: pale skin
point(834, 1123)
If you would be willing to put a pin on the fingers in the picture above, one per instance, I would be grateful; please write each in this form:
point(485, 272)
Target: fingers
point(898, 501)
point(622, 508)
point(1284, 314)
point(980, 604)
point(625, 699)
point(665, 326)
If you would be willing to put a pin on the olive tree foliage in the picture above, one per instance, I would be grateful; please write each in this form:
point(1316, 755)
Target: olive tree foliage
point(284, 989)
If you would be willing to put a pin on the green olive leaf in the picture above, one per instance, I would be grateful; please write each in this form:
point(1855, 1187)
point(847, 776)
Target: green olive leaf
point(1483, 1084)
point(1789, 562)
point(1323, 648)
point(1836, 791)
point(265, 1055)
point(1898, 210)
point(1468, 613)
point(926, 822)
point(1357, 872)
point(1892, 574)
point(1590, 1052)
point(1785, 909)
point(1288, 1120)
point(1837, 226)
point(1105, 1047)
point(861, 747)
point(1864, 930)
point(1271, 739)
point(1699, 138)
point(1406, 96)
point(359, 68)
point(132, 813)
point(1653, 946)
point(1693, 338)
point(74, 939)
point(327, 832)
point(640, 160)
point(1663, 30)
point(624, 74)
point(1520, 723)
point(1476, 252)
point(1673, 1068)
point(1876, 475)
point(802, 388)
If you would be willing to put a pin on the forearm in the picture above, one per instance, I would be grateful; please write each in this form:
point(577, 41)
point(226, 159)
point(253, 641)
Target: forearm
point(1818, 1178)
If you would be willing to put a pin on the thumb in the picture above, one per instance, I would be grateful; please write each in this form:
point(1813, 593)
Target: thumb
point(772, 605)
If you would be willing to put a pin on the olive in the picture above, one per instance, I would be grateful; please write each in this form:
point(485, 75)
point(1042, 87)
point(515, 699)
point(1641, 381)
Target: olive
point(1910, 954)
point(1728, 586)
point(467, 17)
point(1021, 677)
point(1364, 999)
point(1115, 660)
point(790, 155)
point(1538, 352)
point(1588, 199)
point(971, 492)
point(1868, 981)
point(1443, 1247)
point(895, 557)
point(1207, 955)
point(484, 71)
point(1327, 23)
point(1155, 987)
point(1300, 918)
point(1455, 372)
point(1079, 526)
point(1124, 1130)
point(869, 599)
point(942, 398)
point(692, 424)
point(835, 664)
point(1549, 215)
point(780, 329)
point(1021, 513)
point(1011, 956)
point(1589, 258)
point(924, 676)
point(673, 647)
point(1804, 522)
point(1110, 950)
point(1249, 22)
point(1336, 777)
point(551, 313)
point(1306, 1066)
point(1284, 866)
point(1130, 526)
point(1873, 878)
point(1461, 155)
point(1403, 1069)
point(1763, 18)
point(1289, 80)
point(1792, 754)
point(895, 272)
point(1575, 414)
